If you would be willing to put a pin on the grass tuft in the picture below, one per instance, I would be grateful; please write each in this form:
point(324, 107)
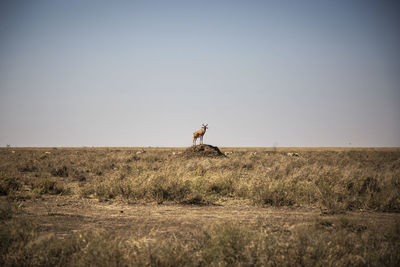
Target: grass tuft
point(48, 186)
point(8, 183)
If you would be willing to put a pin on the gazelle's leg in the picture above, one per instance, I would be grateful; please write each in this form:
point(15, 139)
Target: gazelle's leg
point(194, 141)
point(201, 139)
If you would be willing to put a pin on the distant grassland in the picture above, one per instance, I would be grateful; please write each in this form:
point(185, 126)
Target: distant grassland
point(333, 179)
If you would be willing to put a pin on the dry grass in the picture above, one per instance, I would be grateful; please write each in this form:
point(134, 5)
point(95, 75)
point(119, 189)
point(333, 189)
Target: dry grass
point(333, 180)
point(338, 241)
point(336, 180)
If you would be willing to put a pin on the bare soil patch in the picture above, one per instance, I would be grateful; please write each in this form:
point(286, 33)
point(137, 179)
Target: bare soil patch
point(63, 215)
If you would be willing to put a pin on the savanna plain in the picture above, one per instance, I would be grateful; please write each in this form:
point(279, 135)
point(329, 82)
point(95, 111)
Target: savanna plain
point(175, 207)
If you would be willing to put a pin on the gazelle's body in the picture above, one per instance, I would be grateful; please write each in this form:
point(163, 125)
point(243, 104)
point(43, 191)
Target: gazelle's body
point(200, 134)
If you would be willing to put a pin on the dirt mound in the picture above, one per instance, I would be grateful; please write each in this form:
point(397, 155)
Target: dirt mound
point(202, 151)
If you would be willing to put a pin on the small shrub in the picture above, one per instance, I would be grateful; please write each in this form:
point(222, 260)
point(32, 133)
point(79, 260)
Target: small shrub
point(29, 166)
point(8, 184)
point(223, 185)
point(194, 198)
point(163, 188)
point(274, 193)
point(60, 172)
point(104, 192)
point(47, 186)
point(80, 176)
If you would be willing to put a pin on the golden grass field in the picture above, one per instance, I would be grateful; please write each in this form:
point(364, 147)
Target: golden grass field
point(161, 207)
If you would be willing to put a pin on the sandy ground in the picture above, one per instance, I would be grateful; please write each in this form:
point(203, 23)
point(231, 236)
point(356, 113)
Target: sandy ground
point(63, 215)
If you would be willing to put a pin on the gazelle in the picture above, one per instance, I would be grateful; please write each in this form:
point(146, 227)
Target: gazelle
point(200, 134)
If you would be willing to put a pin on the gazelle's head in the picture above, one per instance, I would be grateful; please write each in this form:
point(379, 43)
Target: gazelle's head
point(205, 126)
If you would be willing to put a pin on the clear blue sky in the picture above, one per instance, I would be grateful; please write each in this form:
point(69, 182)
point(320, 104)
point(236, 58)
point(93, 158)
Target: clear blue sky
point(149, 73)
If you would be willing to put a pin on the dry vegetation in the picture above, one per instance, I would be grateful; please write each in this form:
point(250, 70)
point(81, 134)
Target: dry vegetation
point(340, 184)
